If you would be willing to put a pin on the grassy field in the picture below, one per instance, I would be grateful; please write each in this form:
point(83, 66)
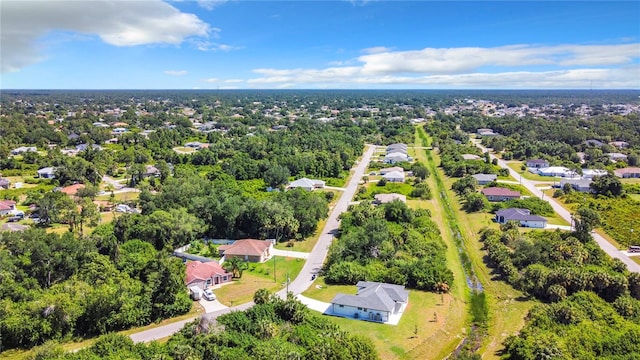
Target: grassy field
point(636, 259)
point(259, 276)
point(184, 150)
point(120, 197)
point(635, 197)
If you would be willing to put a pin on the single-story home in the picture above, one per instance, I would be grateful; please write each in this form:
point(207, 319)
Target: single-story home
point(617, 156)
point(628, 172)
point(385, 198)
point(248, 250)
point(484, 179)
point(118, 131)
point(470, 157)
point(390, 169)
point(83, 147)
point(374, 302)
point(72, 190)
point(537, 163)
point(500, 194)
point(580, 185)
point(47, 173)
point(307, 184)
point(402, 148)
point(559, 171)
point(591, 173)
point(150, 171)
point(23, 149)
point(394, 176)
point(619, 144)
point(396, 157)
point(196, 145)
point(594, 142)
point(7, 207)
point(206, 274)
point(523, 216)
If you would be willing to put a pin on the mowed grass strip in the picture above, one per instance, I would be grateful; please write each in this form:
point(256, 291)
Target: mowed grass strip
point(259, 276)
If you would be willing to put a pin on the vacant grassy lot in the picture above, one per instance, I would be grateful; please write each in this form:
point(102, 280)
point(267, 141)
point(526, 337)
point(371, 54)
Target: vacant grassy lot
point(305, 245)
point(120, 197)
point(259, 276)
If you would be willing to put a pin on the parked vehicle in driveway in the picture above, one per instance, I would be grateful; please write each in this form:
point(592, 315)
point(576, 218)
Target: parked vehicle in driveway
point(209, 295)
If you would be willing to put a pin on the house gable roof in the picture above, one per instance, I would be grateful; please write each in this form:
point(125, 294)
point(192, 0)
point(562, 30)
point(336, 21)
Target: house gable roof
point(72, 189)
point(518, 214)
point(249, 247)
point(374, 295)
point(497, 191)
point(197, 270)
point(485, 177)
point(306, 183)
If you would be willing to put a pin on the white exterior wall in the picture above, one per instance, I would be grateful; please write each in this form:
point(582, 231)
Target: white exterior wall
point(533, 224)
point(350, 311)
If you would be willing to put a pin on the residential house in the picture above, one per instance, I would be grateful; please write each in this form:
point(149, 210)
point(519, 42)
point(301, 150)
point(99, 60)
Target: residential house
point(559, 171)
point(84, 147)
point(4, 183)
point(13, 227)
point(386, 198)
point(396, 157)
point(394, 176)
point(593, 142)
point(390, 169)
point(196, 145)
point(7, 207)
point(500, 194)
point(47, 173)
point(150, 171)
point(307, 184)
point(205, 274)
point(401, 148)
point(72, 190)
point(23, 149)
point(619, 144)
point(591, 173)
point(470, 157)
point(248, 250)
point(580, 185)
point(537, 163)
point(616, 156)
point(523, 216)
point(374, 301)
point(485, 131)
point(119, 131)
point(484, 179)
point(628, 172)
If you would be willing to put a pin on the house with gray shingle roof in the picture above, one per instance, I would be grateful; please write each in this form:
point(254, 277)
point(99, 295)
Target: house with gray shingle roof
point(374, 301)
point(484, 179)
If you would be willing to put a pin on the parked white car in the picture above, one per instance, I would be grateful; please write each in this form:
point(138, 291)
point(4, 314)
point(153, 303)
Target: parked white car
point(209, 295)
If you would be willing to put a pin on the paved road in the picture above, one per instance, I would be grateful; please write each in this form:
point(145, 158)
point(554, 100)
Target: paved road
point(301, 283)
point(319, 253)
point(566, 215)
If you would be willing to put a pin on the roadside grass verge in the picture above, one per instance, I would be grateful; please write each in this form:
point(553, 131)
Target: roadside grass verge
point(259, 276)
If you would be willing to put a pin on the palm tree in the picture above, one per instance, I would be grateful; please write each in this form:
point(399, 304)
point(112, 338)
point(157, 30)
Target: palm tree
point(235, 266)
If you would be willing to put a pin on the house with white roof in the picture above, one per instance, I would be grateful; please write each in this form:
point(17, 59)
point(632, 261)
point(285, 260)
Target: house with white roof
point(591, 173)
point(394, 176)
point(396, 157)
point(307, 184)
point(47, 173)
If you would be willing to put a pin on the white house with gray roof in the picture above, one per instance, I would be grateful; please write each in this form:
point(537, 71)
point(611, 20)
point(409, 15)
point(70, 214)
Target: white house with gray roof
point(484, 179)
point(374, 301)
point(307, 184)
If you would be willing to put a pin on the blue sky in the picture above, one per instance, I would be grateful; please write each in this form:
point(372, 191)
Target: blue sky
point(210, 44)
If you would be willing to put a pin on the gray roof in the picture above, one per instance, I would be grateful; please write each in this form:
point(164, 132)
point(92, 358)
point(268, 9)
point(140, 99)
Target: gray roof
point(518, 215)
point(485, 177)
point(374, 295)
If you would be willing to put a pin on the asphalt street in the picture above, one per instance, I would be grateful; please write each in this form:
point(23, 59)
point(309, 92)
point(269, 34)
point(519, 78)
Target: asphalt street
point(566, 215)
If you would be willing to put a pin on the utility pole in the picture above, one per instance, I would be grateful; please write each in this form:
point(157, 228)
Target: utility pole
point(274, 269)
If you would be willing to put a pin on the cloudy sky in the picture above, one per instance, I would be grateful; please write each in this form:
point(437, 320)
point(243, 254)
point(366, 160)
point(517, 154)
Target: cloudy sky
point(237, 44)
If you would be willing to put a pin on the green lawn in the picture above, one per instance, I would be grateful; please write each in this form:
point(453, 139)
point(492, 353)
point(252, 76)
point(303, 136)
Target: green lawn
point(636, 259)
point(305, 245)
point(119, 197)
point(635, 197)
point(259, 276)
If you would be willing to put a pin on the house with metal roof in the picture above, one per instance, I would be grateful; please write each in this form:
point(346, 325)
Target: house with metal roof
point(307, 184)
point(523, 216)
point(484, 179)
point(373, 301)
point(500, 194)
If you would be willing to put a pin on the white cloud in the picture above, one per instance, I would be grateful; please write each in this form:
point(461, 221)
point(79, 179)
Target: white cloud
point(118, 23)
point(376, 50)
point(210, 4)
point(211, 80)
point(204, 45)
point(176, 72)
point(233, 81)
point(563, 66)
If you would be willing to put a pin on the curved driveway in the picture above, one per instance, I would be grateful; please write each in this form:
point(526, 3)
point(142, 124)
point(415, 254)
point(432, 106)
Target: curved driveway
point(566, 215)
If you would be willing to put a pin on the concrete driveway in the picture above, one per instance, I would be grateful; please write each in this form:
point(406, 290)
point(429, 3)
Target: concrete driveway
point(211, 306)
